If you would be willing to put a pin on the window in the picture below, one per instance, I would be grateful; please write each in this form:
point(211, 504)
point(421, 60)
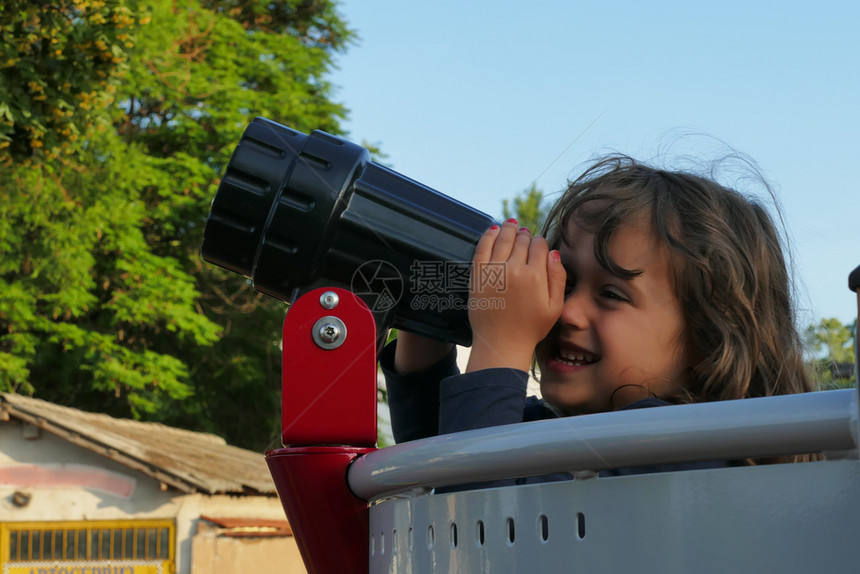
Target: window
point(128, 542)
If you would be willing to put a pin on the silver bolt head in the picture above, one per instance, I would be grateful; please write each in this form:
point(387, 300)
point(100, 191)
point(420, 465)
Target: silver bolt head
point(329, 333)
point(329, 300)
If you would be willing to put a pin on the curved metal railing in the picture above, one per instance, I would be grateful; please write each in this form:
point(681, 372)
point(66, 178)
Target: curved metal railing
point(771, 426)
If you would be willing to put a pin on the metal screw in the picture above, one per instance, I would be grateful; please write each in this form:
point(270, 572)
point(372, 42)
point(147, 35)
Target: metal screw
point(329, 332)
point(329, 300)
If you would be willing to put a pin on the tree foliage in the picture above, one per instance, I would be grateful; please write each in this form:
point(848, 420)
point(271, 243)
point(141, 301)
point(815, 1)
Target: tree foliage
point(59, 66)
point(832, 347)
point(116, 119)
point(529, 209)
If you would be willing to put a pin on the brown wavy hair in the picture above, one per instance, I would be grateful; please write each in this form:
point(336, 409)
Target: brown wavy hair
point(729, 266)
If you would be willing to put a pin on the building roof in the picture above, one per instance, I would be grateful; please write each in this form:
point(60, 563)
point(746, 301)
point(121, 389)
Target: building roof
point(186, 460)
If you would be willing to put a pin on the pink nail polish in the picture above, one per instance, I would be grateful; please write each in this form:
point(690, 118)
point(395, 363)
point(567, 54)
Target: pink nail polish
point(524, 228)
point(556, 256)
point(511, 220)
point(493, 227)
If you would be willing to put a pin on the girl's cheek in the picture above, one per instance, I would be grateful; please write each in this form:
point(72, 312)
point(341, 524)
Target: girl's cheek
point(541, 354)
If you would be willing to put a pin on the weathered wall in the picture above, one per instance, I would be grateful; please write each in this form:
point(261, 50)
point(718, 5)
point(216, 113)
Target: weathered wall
point(214, 554)
point(69, 483)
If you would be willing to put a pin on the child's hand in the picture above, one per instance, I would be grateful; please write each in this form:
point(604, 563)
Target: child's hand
point(511, 315)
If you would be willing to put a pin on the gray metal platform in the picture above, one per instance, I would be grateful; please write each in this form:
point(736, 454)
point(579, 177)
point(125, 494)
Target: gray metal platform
point(780, 518)
point(776, 518)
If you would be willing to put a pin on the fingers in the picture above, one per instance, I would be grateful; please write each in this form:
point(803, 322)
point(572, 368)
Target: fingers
point(556, 278)
point(497, 243)
point(511, 244)
point(507, 242)
point(484, 249)
point(538, 251)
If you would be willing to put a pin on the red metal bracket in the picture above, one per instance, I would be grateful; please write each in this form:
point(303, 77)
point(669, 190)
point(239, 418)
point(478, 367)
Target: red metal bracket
point(329, 395)
point(328, 419)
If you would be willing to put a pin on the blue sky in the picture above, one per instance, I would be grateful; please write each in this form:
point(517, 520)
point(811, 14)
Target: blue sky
point(480, 99)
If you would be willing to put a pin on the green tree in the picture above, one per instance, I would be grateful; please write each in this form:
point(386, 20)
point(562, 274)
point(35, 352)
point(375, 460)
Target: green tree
point(60, 63)
point(111, 160)
point(529, 209)
point(831, 345)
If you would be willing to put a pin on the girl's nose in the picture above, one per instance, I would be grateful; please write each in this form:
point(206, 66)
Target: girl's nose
point(576, 310)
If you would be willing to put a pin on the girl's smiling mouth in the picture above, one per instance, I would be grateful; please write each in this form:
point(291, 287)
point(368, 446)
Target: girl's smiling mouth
point(576, 359)
point(570, 357)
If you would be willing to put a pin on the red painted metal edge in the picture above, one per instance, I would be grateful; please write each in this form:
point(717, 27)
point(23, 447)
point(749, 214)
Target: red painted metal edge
point(330, 524)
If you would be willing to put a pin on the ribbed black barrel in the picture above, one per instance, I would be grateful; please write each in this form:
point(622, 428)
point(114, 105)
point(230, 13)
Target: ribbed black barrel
point(297, 211)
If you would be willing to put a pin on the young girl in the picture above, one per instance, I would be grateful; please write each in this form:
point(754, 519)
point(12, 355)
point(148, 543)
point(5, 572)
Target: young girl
point(651, 288)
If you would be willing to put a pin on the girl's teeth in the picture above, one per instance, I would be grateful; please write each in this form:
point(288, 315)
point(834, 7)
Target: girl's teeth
point(577, 360)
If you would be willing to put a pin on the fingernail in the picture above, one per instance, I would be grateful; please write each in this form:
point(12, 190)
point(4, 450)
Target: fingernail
point(524, 228)
point(512, 220)
point(556, 256)
point(493, 227)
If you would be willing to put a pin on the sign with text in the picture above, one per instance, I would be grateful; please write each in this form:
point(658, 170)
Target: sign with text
point(107, 567)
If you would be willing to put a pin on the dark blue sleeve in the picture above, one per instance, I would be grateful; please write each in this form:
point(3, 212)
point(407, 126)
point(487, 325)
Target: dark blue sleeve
point(486, 398)
point(413, 398)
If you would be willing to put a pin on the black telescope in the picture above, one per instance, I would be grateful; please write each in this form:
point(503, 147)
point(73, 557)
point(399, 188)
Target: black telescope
point(294, 212)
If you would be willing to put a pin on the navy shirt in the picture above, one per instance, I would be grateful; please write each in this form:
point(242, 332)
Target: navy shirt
point(440, 400)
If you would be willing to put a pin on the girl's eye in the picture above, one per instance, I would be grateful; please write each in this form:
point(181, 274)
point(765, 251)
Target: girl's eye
point(614, 295)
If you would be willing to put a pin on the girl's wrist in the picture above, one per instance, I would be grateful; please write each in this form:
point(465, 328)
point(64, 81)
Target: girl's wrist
point(486, 355)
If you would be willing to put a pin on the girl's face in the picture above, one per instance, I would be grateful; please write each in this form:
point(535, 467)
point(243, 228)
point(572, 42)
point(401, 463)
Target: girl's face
point(614, 334)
